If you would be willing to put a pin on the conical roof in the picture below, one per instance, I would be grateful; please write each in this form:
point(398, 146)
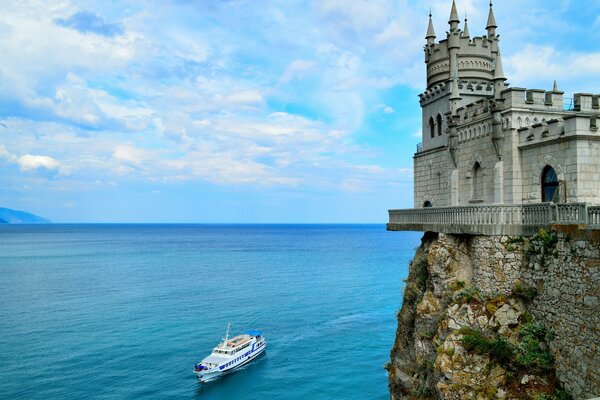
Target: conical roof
point(453, 13)
point(466, 29)
point(498, 70)
point(430, 30)
point(491, 22)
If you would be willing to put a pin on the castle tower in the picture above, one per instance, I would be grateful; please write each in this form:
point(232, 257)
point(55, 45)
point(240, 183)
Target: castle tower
point(460, 70)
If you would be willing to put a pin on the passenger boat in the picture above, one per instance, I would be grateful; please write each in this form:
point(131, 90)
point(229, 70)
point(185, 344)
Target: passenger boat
point(231, 354)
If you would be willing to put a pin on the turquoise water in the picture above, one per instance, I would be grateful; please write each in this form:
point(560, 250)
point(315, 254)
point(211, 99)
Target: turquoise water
point(125, 311)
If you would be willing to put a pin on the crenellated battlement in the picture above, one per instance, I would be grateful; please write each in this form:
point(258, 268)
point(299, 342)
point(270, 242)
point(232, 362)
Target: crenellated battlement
point(552, 100)
point(474, 60)
point(465, 87)
point(568, 125)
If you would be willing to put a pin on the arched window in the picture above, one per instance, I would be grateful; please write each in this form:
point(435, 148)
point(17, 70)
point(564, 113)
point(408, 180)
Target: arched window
point(549, 185)
point(477, 182)
point(432, 127)
point(427, 204)
point(439, 125)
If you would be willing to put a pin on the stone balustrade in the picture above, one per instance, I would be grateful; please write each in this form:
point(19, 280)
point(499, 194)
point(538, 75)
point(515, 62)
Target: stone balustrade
point(594, 217)
point(494, 219)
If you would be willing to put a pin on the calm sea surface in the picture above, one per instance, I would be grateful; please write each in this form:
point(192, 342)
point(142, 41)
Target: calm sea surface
point(125, 311)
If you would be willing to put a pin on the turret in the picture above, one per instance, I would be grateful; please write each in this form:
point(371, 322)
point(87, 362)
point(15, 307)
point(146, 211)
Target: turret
point(453, 21)
point(466, 29)
point(430, 32)
point(453, 40)
point(491, 23)
point(454, 94)
point(499, 77)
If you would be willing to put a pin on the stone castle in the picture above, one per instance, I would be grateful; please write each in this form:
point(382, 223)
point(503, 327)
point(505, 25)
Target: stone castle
point(507, 189)
point(487, 143)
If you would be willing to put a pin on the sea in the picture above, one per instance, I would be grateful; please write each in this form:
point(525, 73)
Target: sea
point(125, 311)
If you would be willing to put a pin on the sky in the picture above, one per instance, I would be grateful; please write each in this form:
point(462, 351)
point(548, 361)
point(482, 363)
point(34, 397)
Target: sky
point(240, 111)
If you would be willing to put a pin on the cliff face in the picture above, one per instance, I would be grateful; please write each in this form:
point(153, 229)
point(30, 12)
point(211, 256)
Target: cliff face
point(491, 317)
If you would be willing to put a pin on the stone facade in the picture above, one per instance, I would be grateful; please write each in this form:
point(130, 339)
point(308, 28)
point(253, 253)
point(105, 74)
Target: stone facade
point(484, 142)
point(461, 284)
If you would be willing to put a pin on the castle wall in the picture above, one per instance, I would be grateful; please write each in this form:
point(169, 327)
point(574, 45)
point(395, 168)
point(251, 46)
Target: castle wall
point(432, 174)
point(476, 147)
point(588, 171)
point(432, 110)
point(562, 156)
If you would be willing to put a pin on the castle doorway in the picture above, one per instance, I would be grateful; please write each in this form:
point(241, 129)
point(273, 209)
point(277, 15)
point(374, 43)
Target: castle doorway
point(549, 185)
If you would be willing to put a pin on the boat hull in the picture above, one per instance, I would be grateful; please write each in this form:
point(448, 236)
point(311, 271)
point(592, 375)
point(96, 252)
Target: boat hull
point(215, 373)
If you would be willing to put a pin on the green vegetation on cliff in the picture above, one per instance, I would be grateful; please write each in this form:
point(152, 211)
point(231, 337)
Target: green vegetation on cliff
point(474, 320)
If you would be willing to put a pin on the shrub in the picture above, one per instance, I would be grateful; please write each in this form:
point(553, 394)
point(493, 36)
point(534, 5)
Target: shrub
point(525, 292)
point(421, 271)
point(426, 334)
point(469, 294)
point(527, 355)
point(541, 243)
point(474, 341)
point(502, 350)
point(530, 354)
point(456, 285)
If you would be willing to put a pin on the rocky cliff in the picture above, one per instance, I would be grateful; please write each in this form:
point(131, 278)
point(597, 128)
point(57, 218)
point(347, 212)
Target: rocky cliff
point(497, 317)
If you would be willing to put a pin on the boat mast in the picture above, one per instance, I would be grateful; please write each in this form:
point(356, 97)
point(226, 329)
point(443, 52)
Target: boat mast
point(227, 334)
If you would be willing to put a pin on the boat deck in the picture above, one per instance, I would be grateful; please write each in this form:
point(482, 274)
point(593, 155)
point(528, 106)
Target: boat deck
point(238, 340)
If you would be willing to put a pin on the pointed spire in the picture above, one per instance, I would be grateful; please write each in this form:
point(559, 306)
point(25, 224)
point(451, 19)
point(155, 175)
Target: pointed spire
point(466, 29)
point(430, 30)
point(453, 14)
point(491, 22)
point(498, 70)
point(555, 88)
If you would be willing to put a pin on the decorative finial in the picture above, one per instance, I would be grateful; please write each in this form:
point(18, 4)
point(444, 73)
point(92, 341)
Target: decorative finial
point(465, 32)
point(491, 22)
point(430, 30)
point(555, 89)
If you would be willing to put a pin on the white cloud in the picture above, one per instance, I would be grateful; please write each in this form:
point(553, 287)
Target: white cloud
point(8, 156)
point(130, 154)
point(297, 69)
point(30, 162)
point(388, 110)
point(242, 97)
point(540, 65)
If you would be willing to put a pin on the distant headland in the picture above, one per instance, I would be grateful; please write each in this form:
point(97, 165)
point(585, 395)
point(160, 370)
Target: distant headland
point(8, 216)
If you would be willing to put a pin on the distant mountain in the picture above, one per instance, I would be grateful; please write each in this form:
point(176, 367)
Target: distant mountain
point(9, 216)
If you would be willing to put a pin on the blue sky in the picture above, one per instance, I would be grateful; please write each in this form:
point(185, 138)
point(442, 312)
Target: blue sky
point(242, 111)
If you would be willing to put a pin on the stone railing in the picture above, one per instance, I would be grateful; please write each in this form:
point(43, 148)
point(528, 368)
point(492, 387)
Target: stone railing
point(494, 219)
point(593, 217)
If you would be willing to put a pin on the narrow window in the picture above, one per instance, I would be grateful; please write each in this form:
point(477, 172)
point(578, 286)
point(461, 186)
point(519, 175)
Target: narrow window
point(439, 125)
point(549, 185)
point(477, 182)
point(432, 127)
point(427, 204)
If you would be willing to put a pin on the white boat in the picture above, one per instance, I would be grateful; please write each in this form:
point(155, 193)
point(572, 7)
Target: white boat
point(231, 354)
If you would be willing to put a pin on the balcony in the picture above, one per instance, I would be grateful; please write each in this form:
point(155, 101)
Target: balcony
point(494, 219)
